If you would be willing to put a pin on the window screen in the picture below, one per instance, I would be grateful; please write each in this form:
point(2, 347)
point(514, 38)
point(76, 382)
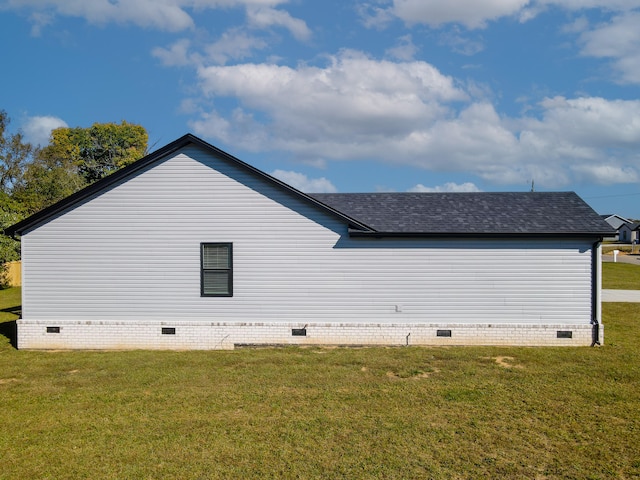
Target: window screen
point(216, 270)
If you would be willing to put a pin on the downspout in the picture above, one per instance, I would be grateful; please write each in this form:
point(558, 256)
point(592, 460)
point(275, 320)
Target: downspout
point(596, 276)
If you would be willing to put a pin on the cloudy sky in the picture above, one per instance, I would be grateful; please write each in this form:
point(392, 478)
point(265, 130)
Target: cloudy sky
point(350, 95)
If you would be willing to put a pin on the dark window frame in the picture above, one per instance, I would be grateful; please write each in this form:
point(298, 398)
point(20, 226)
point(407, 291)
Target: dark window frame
point(228, 270)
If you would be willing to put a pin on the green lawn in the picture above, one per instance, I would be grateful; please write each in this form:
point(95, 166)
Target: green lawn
point(625, 276)
point(546, 413)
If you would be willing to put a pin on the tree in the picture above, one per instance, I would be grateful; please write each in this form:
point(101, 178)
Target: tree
point(14, 155)
point(99, 150)
point(46, 180)
point(9, 214)
point(9, 247)
point(77, 157)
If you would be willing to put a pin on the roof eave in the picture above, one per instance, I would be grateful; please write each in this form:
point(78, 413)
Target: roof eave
point(381, 234)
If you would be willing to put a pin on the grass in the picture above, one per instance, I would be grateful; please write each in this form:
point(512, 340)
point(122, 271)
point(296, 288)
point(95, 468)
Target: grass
point(480, 412)
point(624, 276)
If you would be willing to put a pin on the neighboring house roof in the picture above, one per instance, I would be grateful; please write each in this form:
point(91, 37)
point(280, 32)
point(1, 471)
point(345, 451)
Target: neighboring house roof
point(632, 226)
point(424, 214)
point(616, 221)
point(478, 213)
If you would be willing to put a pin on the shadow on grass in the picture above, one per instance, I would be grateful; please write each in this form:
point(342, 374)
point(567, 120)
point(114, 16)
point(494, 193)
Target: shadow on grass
point(9, 328)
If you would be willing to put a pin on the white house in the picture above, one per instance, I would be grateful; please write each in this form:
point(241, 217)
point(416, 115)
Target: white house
point(616, 221)
point(629, 232)
point(191, 248)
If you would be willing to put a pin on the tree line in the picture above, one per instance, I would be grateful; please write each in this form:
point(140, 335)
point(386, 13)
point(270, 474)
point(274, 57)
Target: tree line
point(35, 177)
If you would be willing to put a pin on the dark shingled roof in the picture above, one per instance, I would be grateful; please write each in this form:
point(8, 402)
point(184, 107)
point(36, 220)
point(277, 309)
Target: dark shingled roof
point(634, 225)
point(483, 213)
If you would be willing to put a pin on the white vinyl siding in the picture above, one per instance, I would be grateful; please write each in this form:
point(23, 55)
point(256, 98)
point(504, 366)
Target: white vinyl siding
point(133, 254)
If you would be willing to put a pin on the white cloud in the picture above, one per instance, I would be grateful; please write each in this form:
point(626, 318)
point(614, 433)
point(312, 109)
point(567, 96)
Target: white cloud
point(304, 183)
point(471, 13)
point(352, 98)
point(409, 113)
point(405, 49)
point(619, 40)
point(177, 55)
point(573, 5)
point(165, 15)
point(373, 16)
point(460, 43)
point(265, 17)
point(168, 15)
point(475, 14)
point(39, 20)
point(477, 141)
point(577, 26)
point(234, 44)
point(588, 123)
point(37, 129)
point(608, 174)
point(447, 187)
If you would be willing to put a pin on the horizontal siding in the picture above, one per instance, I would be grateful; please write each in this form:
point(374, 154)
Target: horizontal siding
point(133, 254)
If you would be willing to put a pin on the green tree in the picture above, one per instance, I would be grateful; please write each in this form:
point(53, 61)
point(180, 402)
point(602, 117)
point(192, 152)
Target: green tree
point(77, 157)
point(47, 180)
point(10, 213)
point(14, 155)
point(99, 150)
point(9, 247)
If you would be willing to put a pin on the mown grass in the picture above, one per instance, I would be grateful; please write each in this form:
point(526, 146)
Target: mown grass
point(624, 276)
point(546, 413)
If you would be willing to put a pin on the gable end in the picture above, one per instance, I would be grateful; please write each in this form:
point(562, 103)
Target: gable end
point(34, 221)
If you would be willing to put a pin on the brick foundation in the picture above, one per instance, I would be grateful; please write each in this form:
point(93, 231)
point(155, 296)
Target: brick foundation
point(114, 335)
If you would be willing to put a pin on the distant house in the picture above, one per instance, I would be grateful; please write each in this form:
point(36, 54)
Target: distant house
point(629, 232)
point(616, 221)
point(191, 248)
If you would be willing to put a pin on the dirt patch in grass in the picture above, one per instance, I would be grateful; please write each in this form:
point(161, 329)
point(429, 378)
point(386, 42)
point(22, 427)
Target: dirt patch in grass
point(413, 373)
point(505, 361)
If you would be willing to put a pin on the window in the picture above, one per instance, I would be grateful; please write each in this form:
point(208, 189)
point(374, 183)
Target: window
point(216, 267)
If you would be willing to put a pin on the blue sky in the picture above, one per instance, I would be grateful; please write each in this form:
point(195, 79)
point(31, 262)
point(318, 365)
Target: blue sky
point(350, 95)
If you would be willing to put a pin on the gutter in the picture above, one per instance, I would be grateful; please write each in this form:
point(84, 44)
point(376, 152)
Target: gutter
point(479, 235)
point(595, 292)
